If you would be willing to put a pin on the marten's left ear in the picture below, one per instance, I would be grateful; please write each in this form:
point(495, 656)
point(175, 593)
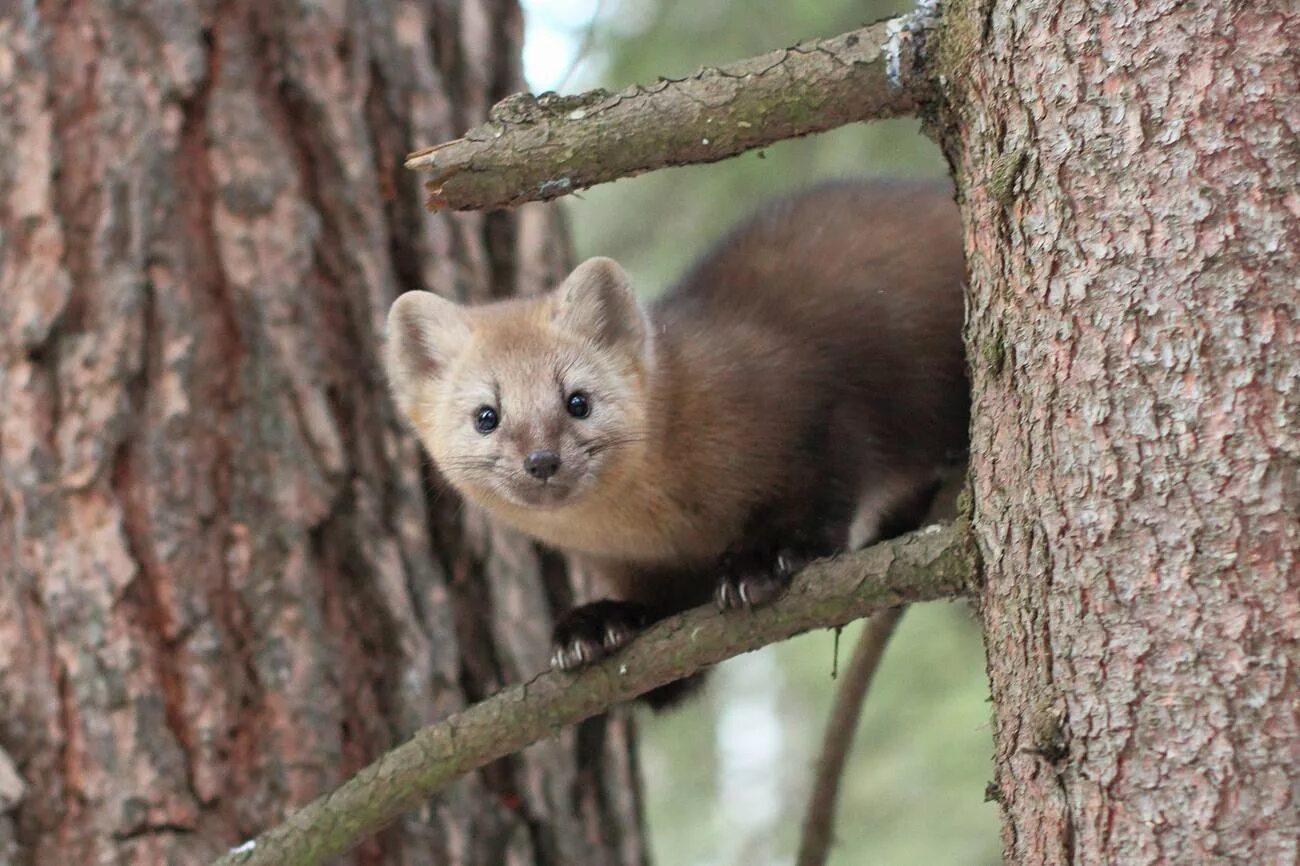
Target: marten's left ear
point(597, 301)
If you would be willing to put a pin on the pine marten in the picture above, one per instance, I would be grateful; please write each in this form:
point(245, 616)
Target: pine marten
point(807, 371)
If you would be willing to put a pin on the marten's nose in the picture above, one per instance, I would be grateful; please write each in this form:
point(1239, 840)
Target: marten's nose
point(542, 464)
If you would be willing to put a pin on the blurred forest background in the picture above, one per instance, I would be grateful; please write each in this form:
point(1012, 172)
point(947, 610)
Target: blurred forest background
point(728, 776)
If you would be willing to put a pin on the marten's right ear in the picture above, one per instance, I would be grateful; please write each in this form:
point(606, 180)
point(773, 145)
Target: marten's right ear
point(425, 332)
point(597, 301)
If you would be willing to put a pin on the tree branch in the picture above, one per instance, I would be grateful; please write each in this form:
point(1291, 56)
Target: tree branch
point(815, 842)
point(932, 563)
point(536, 149)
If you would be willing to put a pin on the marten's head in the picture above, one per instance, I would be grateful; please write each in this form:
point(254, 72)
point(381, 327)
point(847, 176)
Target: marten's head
point(531, 401)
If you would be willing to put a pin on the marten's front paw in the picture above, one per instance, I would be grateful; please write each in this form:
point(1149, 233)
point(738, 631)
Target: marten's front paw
point(754, 587)
point(587, 634)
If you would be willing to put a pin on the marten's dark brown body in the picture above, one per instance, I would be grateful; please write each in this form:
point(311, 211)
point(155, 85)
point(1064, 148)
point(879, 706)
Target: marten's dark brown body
point(813, 361)
point(807, 370)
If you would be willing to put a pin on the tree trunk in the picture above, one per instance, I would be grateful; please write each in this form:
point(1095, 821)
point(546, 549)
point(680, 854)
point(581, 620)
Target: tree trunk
point(1128, 176)
point(228, 581)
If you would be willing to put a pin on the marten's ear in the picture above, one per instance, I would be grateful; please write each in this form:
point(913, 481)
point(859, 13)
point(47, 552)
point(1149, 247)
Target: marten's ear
point(425, 332)
point(597, 301)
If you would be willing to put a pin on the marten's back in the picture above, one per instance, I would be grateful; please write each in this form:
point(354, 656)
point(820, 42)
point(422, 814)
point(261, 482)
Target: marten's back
point(856, 287)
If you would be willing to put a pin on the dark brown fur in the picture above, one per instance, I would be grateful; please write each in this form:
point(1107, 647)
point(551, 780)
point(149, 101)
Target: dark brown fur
point(813, 354)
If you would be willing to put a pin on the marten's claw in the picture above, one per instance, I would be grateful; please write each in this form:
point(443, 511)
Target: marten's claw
point(617, 634)
point(789, 563)
point(587, 634)
point(576, 654)
point(752, 579)
point(737, 591)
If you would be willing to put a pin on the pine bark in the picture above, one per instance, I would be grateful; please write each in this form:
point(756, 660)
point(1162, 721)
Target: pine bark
point(1128, 176)
point(228, 580)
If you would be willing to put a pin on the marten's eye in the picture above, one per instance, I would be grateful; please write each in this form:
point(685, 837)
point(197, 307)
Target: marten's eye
point(578, 405)
point(485, 420)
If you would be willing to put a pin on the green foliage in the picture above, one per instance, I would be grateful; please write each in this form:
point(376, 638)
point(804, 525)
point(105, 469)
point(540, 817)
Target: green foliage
point(657, 223)
point(914, 790)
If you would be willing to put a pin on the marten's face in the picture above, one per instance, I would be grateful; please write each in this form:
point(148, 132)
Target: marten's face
point(536, 420)
point(531, 403)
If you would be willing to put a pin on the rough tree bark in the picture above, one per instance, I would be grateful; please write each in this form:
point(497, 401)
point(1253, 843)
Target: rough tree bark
point(227, 581)
point(1129, 179)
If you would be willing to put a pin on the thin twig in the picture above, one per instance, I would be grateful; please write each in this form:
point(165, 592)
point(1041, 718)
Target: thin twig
point(933, 563)
point(818, 825)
